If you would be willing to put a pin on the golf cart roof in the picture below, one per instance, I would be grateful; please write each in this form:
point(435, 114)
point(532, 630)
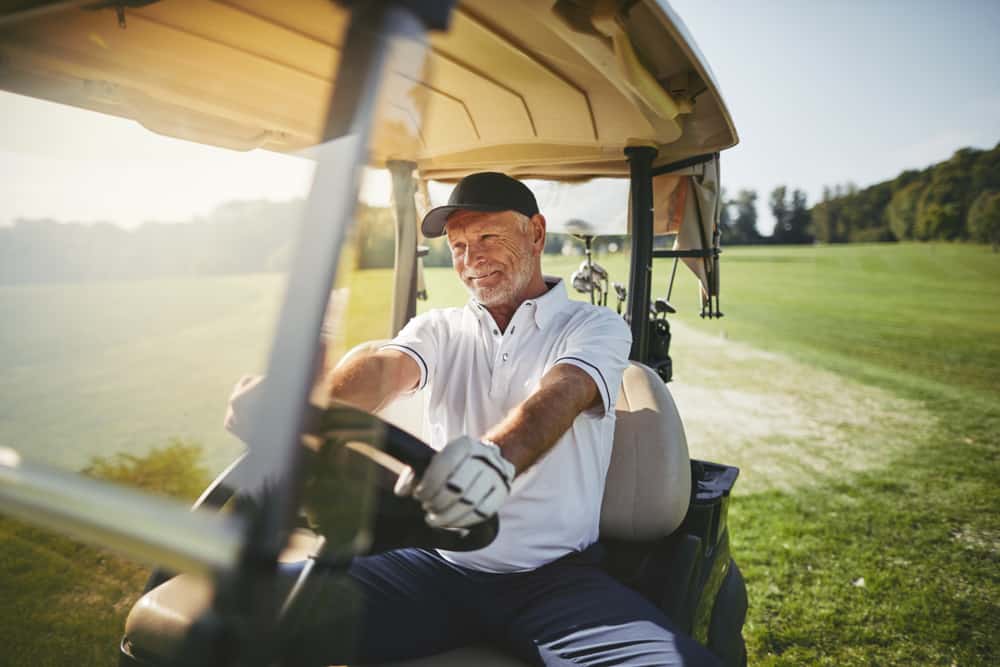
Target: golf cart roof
point(537, 89)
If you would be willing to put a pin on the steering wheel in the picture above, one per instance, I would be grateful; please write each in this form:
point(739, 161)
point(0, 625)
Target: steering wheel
point(399, 521)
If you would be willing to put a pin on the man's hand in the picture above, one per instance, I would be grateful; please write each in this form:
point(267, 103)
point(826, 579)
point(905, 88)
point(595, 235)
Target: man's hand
point(465, 484)
point(243, 402)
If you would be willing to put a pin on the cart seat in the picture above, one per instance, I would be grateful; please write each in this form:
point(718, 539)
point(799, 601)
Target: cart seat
point(646, 497)
point(159, 621)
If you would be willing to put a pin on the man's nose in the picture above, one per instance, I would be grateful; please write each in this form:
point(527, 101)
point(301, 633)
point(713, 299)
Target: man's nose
point(474, 254)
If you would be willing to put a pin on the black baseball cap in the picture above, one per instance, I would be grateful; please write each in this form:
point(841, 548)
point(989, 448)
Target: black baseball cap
point(483, 191)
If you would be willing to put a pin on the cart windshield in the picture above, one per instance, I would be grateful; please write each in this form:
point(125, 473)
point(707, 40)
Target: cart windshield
point(144, 272)
point(183, 206)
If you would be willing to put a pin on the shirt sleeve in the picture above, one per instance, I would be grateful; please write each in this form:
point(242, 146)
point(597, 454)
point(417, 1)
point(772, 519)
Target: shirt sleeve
point(599, 346)
point(419, 340)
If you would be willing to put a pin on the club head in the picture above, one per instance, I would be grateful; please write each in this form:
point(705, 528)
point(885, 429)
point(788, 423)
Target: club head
point(600, 273)
point(620, 291)
point(582, 282)
point(663, 307)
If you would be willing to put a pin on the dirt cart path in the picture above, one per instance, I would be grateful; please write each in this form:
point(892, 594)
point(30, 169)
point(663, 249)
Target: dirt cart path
point(784, 423)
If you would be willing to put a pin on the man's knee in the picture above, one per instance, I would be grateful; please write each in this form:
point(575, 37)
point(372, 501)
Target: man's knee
point(631, 643)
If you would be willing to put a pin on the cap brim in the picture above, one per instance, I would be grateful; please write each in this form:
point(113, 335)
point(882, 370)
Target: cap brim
point(436, 218)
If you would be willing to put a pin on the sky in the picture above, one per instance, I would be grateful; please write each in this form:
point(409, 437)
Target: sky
point(821, 94)
point(853, 91)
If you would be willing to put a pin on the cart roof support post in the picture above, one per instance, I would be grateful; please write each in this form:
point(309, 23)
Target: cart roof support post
point(640, 162)
point(404, 292)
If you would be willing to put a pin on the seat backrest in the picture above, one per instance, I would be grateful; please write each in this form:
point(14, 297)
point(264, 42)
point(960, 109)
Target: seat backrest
point(648, 487)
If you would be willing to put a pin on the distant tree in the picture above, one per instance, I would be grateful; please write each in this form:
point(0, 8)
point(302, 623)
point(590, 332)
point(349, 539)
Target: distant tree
point(727, 228)
point(984, 218)
point(943, 205)
point(938, 220)
point(929, 204)
point(902, 209)
point(792, 220)
point(742, 229)
point(612, 243)
point(799, 219)
point(986, 170)
point(725, 218)
point(779, 209)
point(865, 214)
point(823, 220)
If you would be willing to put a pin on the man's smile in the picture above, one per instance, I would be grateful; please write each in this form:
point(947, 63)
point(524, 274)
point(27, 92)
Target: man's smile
point(484, 276)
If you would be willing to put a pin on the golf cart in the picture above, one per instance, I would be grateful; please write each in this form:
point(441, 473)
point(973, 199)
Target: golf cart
point(584, 99)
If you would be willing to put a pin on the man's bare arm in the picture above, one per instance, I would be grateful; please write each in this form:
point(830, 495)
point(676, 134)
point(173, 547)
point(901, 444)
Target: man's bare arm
point(533, 427)
point(371, 380)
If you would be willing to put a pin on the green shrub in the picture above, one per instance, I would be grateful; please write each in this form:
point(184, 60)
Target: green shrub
point(174, 470)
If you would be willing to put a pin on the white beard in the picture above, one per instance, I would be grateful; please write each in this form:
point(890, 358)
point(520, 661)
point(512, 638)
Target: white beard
point(506, 292)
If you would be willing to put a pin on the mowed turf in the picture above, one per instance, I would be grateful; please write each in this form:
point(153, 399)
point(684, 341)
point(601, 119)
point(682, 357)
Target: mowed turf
point(101, 368)
point(899, 565)
point(893, 566)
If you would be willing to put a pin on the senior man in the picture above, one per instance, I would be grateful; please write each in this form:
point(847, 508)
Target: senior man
point(523, 383)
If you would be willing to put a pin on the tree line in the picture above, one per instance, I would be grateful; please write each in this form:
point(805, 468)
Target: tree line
point(954, 200)
point(237, 237)
point(958, 199)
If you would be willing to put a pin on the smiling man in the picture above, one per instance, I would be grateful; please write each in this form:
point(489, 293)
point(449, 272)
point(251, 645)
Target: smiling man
point(523, 383)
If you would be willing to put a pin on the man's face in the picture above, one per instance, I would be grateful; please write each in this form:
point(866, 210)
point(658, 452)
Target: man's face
point(493, 253)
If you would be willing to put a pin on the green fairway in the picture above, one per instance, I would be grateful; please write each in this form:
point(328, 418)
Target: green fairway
point(858, 388)
point(896, 565)
point(95, 369)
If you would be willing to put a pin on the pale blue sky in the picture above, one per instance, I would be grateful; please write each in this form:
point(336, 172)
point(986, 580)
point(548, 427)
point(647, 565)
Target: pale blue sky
point(831, 92)
point(821, 93)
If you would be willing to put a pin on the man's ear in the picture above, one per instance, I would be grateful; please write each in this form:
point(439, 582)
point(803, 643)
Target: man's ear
point(537, 232)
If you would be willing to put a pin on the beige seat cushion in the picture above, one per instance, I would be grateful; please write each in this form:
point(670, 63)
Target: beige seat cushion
point(648, 487)
point(158, 622)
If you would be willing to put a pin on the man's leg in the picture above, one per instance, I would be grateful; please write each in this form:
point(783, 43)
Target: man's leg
point(390, 606)
point(571, 612)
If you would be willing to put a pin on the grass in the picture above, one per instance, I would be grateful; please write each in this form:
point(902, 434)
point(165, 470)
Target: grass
point(900, 564)
point(922, 321)
point(94, 369)
point(920, 530)
point(65, 603)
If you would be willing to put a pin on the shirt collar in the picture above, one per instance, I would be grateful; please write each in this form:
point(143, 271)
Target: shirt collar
point(547, 305)
point(544, 307)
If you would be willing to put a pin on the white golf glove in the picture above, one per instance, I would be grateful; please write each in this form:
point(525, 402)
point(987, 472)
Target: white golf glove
point(465, 484)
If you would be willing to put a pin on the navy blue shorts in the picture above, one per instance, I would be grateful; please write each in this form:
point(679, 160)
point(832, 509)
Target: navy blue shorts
point(414, 603)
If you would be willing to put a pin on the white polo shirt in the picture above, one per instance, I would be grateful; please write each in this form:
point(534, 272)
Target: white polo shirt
point(476, 374)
